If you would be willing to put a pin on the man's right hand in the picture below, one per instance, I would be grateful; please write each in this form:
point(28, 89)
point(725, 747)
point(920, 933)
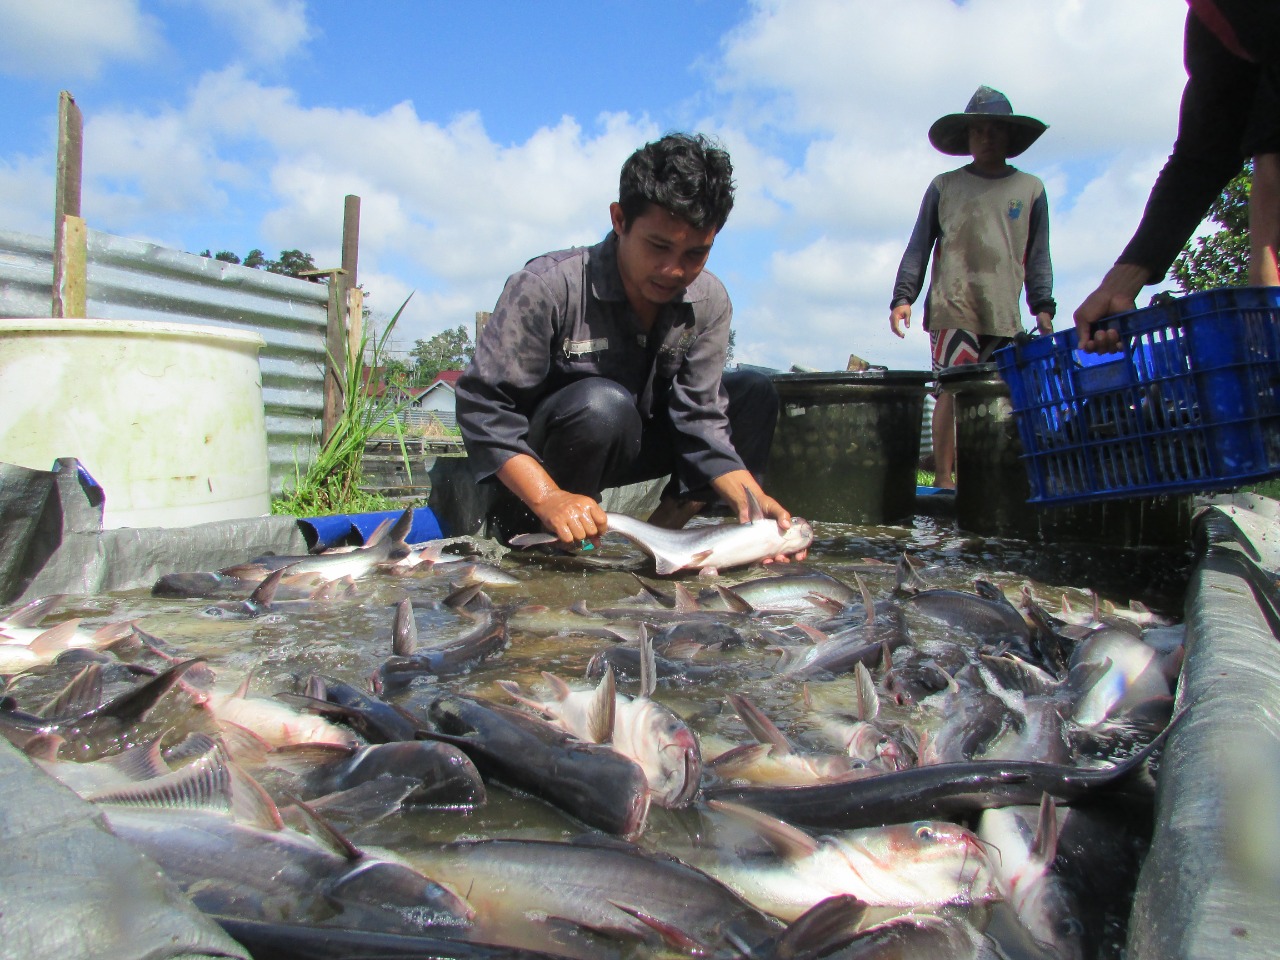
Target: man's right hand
point(899, 319)
point(572, 517)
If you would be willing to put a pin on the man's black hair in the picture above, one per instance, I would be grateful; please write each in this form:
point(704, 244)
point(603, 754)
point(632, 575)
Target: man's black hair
point(687, 174)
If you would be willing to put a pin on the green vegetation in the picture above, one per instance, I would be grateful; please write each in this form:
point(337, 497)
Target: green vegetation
point(1221, 258)
point(331, 484)
point(292, 263)
point(447, 350)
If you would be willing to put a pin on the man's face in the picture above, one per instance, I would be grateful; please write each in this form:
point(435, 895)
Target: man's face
point(988, 140)
point(659, 254)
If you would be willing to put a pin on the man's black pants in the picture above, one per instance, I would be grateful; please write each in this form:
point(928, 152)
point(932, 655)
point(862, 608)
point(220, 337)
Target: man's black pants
point(590, 435)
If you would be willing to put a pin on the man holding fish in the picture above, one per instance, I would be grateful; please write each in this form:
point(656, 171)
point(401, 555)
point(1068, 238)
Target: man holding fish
point(604, 365)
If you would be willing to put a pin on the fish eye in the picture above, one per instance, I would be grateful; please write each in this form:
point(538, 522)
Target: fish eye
point(924, 830)
point(1071, 927)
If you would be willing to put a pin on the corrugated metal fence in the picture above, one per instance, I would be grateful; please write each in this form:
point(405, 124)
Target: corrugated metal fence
point(132, 280)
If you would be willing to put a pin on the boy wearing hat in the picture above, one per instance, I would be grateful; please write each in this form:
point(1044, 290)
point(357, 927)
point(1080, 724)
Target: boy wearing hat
point(986, 225)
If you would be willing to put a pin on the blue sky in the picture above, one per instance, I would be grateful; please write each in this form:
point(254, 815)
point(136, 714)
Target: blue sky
point(479, 135)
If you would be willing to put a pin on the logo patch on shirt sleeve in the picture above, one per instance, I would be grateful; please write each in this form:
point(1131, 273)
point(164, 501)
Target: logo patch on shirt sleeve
point(1015, 209)
point(582, 348)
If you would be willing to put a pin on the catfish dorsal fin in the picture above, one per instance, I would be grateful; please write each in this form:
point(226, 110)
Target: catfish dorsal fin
point(400, 529)
point(559, 689)
point(35, 611)
point(603, 710)
point(733, 601)
point(754, 510)
point(812, 634)
point(1045, 845)
point(648, 664)
point(788, 842)
point(686, 602)
point(265, 592)
point(79, 696)
point(404, 631)
point(867, 702)
point(242, 691)
point(135, 704)
point(55, 639)
point(379, 532)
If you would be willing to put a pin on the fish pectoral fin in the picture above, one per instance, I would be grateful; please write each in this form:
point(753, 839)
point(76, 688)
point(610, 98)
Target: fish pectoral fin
point(322, 831)
point(531, 539)
point(826, 926)
point(761, 727)
point(362, 804)
point(671, 935)
point(790, 843)
point(664, 565)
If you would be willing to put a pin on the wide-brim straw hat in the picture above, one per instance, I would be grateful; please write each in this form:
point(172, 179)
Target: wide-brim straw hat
point(950, 134)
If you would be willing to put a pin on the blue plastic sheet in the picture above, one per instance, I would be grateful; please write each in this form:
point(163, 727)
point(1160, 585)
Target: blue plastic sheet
point(339, 529)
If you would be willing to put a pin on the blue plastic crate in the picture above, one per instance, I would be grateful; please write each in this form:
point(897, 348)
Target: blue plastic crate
point(1191, 403)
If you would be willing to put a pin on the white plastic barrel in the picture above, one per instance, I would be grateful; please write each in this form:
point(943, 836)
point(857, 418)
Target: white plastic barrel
point(166, 417)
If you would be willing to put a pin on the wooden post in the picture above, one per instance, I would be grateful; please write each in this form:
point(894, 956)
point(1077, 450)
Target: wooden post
point(351, 237)
point(354, 296)
point(482, 317)
point(69, 230)
point(335, 343)
point(355, 320)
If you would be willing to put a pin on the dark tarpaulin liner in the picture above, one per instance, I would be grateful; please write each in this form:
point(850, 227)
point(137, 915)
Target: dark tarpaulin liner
point(1211, 881)
point(52, 541)
point(70, 889)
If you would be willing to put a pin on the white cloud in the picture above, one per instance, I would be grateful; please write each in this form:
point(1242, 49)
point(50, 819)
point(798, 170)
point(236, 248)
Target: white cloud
point(823, 104)
point(852, 86)
point(452, 208)
point(70, 38)
point(26, 196)
point(268, 31)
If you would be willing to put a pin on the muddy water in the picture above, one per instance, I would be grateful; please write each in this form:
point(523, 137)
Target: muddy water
point(348, 640)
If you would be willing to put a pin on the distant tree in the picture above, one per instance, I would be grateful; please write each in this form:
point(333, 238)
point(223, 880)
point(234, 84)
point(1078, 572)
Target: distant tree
point(292, 263)
point(728, 357)
point(447, 350)
point(226, 256)
point(1221, 258)
point(396, 371)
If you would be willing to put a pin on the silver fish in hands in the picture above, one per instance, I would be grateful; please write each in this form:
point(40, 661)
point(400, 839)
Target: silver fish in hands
point(708, 547)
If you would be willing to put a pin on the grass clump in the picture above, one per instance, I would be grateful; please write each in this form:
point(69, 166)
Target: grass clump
point(331, 483)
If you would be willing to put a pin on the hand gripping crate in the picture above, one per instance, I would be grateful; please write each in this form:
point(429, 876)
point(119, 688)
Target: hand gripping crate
point(1190, 404)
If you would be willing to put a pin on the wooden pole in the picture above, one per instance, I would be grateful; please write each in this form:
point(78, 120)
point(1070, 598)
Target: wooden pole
point(351, 237)
point(69, 230)
point(336, 369)
point(354, 296)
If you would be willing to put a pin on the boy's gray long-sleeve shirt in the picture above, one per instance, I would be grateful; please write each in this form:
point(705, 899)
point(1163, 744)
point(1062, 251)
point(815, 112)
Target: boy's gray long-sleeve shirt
point(982, 256)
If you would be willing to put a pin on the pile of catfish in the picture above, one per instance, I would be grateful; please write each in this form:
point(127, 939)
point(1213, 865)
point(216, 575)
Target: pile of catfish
point(774, 762)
